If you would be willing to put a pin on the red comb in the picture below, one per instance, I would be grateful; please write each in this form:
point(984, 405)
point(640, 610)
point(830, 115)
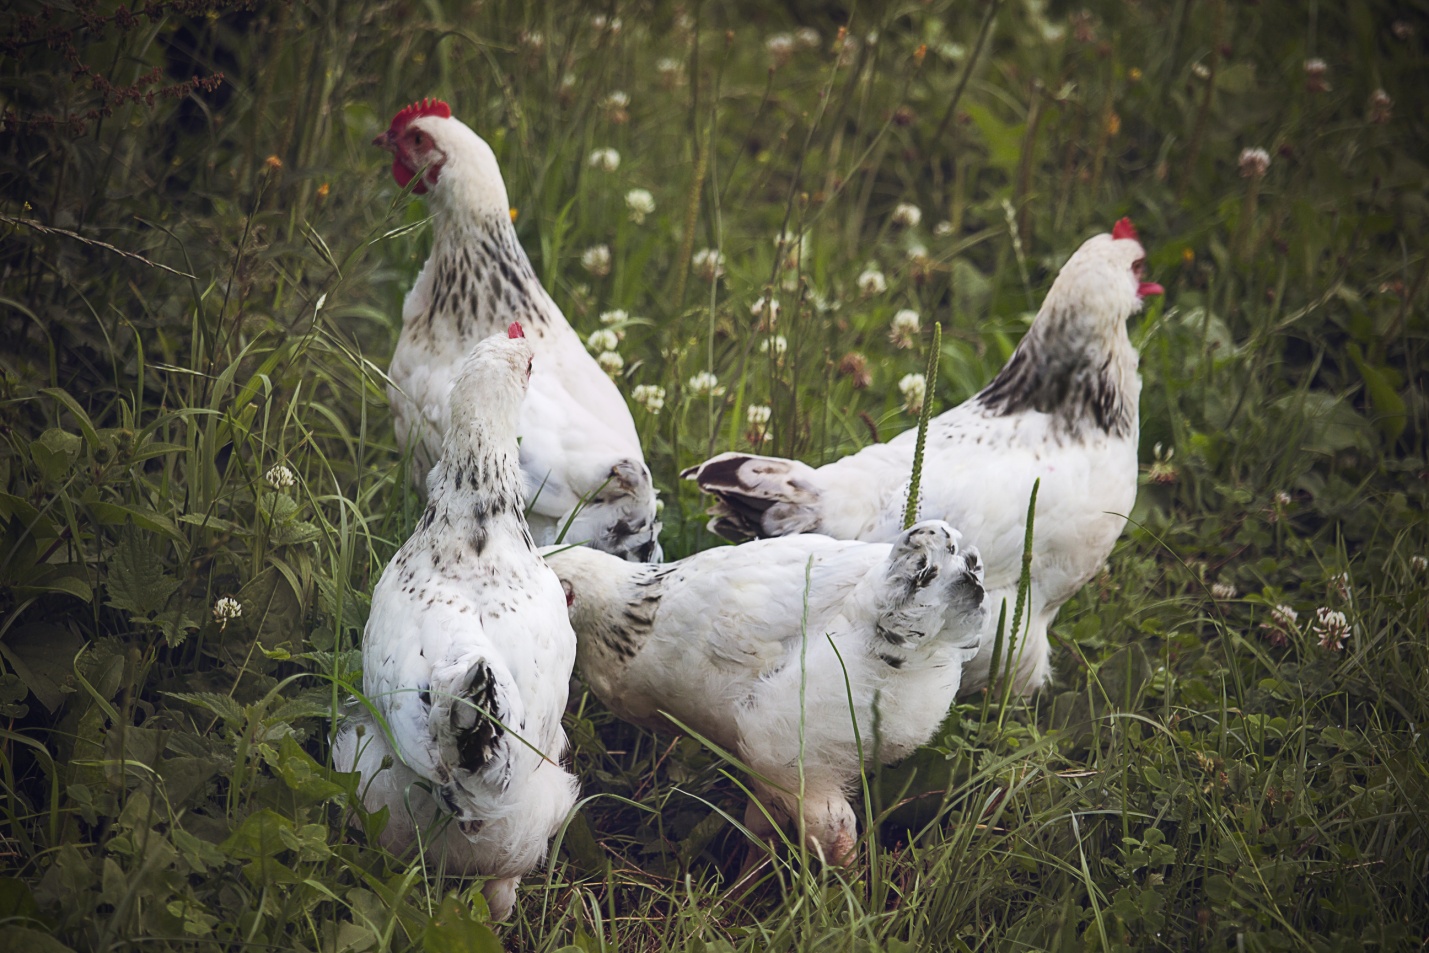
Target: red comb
point(1123, 229)
point(515, 330)
point(427, 107)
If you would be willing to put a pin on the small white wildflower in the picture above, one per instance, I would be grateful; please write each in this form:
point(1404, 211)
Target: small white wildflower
point(777, 345)
point(705, 384)
point(1284, 616)
point(1340, 585)
point(903, 331)
point(596, 260)
point(766, 305)
point(872, 282)
point(280, 477)
point(1332, 627)
point(669, 69)
point(617, 316)
point(1316, 75)
point(225, 610)
point(1418, 563)
point(758, 415)
point(793, 246)
point(1253, 163)
point(1380, 108)
point(616, 100)
point(1223, 591)
point(807, 37)
point(907, 215)
point(918, 253)
point(914, 388)
point(780, 47)
point(1316, 67)
point(649, 396)
point(1201, 71)
point(606, 160)
point(602, 339)
point(943, 229)
point(949, 50)
point(641, 203)
point(534, 39)
point(1162, 471)
point(1282, 498)
point(611, 362)
point(708, 264)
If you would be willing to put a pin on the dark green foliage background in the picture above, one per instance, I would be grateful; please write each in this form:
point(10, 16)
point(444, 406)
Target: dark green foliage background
point(201, 277)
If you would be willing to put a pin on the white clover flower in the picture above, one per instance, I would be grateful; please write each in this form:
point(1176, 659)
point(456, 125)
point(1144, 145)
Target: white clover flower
point(616, 316)
point(1162, 471)
point(1340, 585)
point(943, 229)
point(1418, 563)
point(1201, 71)
point(616, 100)
point(1253, 163)
point(649, 396)
point(225, 610)
point(780, 47)
point(903, 331)
point(1332, 627)
point(766, 305)
point(918, 253)
point(793, 245)
point(807, 37)
point(280, 477)
point(705, 384)
point(641, 203)
point(1223, 591)
point(871, 281)
point(907, 215)
point(1380, 108)
point(1282, 498)
point(1316, 75)
point(596, 260)
point(534, 39)
point(777, 344)
point(602, 339)
point(708, 264)
point(914, 388)
point(758, 415)
point(1316, 67)
point(606, 160)
point(611, 362)
point(669, 69)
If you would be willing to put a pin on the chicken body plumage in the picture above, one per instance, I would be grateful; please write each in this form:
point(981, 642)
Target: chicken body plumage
point(1063, 410)
point(468, 650)
point(717, 643)
point(581, 460)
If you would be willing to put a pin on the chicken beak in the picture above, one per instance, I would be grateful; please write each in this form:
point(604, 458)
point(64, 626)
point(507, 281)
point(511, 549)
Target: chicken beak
point(1149, 288)
point(384, 141)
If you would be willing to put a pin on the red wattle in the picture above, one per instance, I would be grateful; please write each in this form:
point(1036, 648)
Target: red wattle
point(1147, 288)
point(403, 175)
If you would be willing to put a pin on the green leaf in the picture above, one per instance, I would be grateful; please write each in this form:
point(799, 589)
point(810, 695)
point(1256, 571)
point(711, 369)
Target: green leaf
point(55, 452)
point(42, 654)
point(26, 940)
point(1392, 415)
point(117, 514)
point(137, 579)
point(1236, 78)
point(233, 714)
point(454, 929)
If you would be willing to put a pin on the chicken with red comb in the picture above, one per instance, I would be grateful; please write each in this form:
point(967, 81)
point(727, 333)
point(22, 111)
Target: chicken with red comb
point(1063, 410)
point(583, 469)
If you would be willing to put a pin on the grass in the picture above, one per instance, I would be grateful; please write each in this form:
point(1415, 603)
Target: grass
point(202, 279)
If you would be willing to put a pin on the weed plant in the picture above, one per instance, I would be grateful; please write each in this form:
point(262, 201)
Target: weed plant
point(201, 277)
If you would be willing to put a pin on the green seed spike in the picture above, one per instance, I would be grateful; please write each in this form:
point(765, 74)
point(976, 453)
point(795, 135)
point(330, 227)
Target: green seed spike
point(910, 514)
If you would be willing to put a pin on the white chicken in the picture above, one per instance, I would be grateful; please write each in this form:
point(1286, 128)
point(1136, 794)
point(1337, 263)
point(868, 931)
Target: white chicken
point(787, 652)
point(1062, 410)
point(468, 650)
point(583, 469)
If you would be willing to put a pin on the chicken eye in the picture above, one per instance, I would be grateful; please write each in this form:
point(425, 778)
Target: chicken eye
point(1138, 266)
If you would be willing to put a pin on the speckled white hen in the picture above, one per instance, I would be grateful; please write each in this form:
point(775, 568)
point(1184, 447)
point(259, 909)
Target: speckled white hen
point(1062, 410)
point(717, 642)
point(581, 460)
point(468, 650)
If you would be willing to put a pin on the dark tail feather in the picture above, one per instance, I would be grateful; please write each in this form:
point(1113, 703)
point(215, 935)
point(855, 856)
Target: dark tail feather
point(758, 496)
point(476, 719)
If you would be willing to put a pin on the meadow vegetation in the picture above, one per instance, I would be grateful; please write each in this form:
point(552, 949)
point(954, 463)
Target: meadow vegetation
point(760, 211)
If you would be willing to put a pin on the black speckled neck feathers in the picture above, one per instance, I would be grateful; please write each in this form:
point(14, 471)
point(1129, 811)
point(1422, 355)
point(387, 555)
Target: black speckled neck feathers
point(475, 495)
point(1084, 384)
point(482, 280)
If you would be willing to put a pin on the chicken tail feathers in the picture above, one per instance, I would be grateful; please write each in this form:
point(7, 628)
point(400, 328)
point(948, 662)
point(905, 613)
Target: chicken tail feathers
point(476, 719)
point(758, 496)
point(930, 583)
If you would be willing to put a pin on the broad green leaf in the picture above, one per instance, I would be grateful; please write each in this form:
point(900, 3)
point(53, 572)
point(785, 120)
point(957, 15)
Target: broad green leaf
point(55, 452)
point(454, 929)
point(234, 714)
point(137, 579)
point(42, 654)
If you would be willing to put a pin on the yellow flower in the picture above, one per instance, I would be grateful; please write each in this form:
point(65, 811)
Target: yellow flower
point(1134, 75)
point(1188, 256)
point(323, 190)
point(273, 162)
point(514, 213)
point(1113, 124)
